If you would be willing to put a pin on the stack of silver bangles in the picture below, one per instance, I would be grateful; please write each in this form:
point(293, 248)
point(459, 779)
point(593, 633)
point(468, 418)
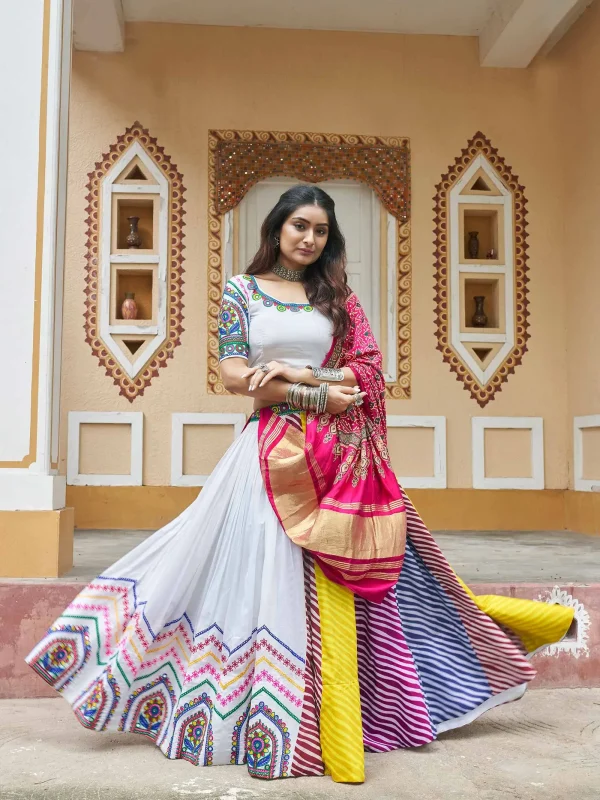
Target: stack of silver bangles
point(308, 398)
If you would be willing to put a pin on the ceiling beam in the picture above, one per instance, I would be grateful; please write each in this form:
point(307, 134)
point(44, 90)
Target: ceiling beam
point(99, 25)
point(518, 29)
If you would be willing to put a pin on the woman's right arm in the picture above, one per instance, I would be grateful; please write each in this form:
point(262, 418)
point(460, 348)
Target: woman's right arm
point(275, 391)
point(232, 370)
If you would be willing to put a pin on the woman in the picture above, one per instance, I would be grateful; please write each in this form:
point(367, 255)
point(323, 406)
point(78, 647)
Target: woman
point(298, 612)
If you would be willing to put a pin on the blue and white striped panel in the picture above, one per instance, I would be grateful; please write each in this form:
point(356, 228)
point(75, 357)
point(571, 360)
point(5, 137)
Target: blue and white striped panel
point(451, 676)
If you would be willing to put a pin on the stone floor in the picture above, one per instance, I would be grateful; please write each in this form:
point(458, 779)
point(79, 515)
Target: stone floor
point(545, 747)
point(478, 557)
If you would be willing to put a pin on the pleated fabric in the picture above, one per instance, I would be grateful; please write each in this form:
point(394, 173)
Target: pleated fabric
point(221, 641)
point(340, 723)
point(197, 637)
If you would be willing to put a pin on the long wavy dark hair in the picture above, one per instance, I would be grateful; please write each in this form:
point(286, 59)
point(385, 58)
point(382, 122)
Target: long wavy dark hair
point(325, 280)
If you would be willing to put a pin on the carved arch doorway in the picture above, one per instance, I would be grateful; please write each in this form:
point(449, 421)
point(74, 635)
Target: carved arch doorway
point(247, 173)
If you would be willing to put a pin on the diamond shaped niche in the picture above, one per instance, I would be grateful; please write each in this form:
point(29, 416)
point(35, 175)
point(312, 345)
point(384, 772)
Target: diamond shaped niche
point(134, 260)
point(481, 269)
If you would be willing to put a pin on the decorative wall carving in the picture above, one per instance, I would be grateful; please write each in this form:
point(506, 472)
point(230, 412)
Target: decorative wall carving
point(240, 159)
point(480, 190)
point(135, 170)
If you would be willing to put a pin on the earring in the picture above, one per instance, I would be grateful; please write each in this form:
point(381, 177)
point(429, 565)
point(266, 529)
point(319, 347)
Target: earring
point(276, 241)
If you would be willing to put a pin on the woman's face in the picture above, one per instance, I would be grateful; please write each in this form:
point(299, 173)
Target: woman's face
point(303, 236)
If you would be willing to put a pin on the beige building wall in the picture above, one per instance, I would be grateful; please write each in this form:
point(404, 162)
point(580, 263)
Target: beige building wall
point(576, 62)
point(179, 81)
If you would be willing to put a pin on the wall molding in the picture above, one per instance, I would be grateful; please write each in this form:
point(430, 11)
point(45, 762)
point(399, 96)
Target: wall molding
point(439, 478)
point(178, 421)
point(478, 427)
point(579, 425)
point(133, 418)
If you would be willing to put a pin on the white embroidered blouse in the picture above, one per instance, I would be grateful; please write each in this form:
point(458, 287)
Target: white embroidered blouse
point(256, 326)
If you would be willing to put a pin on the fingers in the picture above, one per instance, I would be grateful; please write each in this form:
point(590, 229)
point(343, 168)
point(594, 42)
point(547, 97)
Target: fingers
point(271, 374)
point(356, 400)
point(260, 378)
point(349, 389)
point(249, 372)
point(257, 376)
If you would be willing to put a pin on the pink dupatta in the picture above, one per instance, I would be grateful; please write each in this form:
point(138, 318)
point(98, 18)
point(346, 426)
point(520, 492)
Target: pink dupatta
point(329, 478)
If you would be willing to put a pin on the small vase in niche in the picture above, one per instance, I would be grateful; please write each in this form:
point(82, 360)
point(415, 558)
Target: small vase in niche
point(479, 318)
point(129, 308)
point(133, 237)
point(473, 244)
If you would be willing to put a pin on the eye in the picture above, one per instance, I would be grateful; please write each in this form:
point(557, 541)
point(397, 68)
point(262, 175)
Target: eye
point(299, 225)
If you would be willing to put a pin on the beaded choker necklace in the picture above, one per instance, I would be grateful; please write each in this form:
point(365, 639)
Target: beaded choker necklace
point(289, 274)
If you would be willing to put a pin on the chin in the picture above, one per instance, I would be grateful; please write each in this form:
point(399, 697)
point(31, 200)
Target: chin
point(302, 261)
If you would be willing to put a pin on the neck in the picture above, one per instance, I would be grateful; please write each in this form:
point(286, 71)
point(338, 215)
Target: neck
point(288, 264)
point(287, 273)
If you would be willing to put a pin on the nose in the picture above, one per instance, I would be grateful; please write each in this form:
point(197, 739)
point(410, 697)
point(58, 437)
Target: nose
point(308, 238)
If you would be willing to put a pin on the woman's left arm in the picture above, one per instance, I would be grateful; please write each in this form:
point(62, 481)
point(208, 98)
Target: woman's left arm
point(258, 378)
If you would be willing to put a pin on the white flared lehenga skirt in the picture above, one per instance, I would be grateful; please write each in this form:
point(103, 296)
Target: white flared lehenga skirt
point(206, 638)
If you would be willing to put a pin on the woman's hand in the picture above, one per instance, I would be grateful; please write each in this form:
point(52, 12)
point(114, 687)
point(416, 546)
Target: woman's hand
point(340, 398)
point(276, 370)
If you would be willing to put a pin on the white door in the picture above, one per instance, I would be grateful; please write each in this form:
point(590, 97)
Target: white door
point(358, 212)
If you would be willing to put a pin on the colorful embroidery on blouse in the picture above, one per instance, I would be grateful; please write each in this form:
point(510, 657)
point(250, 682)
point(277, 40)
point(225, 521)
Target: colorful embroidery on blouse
point(281, 409)
point(271, 302)
point(233, 323)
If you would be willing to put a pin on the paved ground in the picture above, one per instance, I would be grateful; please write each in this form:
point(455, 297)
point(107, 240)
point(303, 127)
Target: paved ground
point(477, 556)
point(545, 747)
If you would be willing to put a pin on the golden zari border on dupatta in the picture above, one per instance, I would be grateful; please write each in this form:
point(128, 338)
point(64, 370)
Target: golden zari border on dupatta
point(290, 485)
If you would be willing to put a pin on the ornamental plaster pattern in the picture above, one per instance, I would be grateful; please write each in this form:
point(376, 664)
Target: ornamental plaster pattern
point(578, 645)
point(110, 357)
point(516, 338)
point(240, 159)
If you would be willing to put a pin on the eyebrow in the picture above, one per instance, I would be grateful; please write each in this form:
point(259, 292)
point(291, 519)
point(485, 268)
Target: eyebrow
point(319, 225)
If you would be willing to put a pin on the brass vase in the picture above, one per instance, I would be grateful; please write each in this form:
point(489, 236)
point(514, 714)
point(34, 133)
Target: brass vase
point(129, 308)
point(473, 244)
point(133, 237)
point(479, 318)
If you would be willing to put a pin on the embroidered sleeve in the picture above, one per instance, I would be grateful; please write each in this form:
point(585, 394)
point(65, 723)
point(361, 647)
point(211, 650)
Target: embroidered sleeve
point(234, 341)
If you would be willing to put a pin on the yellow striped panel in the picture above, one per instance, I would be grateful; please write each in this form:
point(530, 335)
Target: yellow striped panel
point(536, 624)
point(341, 720)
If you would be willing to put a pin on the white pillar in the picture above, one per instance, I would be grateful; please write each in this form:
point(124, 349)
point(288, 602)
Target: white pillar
point(35, 67)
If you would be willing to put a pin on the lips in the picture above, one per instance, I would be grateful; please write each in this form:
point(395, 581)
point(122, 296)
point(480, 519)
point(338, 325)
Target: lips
point(306, 252)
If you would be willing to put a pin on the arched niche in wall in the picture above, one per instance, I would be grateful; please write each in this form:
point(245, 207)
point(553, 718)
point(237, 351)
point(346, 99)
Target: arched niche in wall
point(481, 269)
point(248, 171)
point(134, 247)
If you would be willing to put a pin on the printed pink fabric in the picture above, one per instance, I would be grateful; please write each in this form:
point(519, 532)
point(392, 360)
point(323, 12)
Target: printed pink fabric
point(354, 519)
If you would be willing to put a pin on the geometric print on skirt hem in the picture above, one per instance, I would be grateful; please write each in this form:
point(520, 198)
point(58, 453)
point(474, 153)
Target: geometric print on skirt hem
point(197, 637)
point(206, 638)
point(189, 689)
